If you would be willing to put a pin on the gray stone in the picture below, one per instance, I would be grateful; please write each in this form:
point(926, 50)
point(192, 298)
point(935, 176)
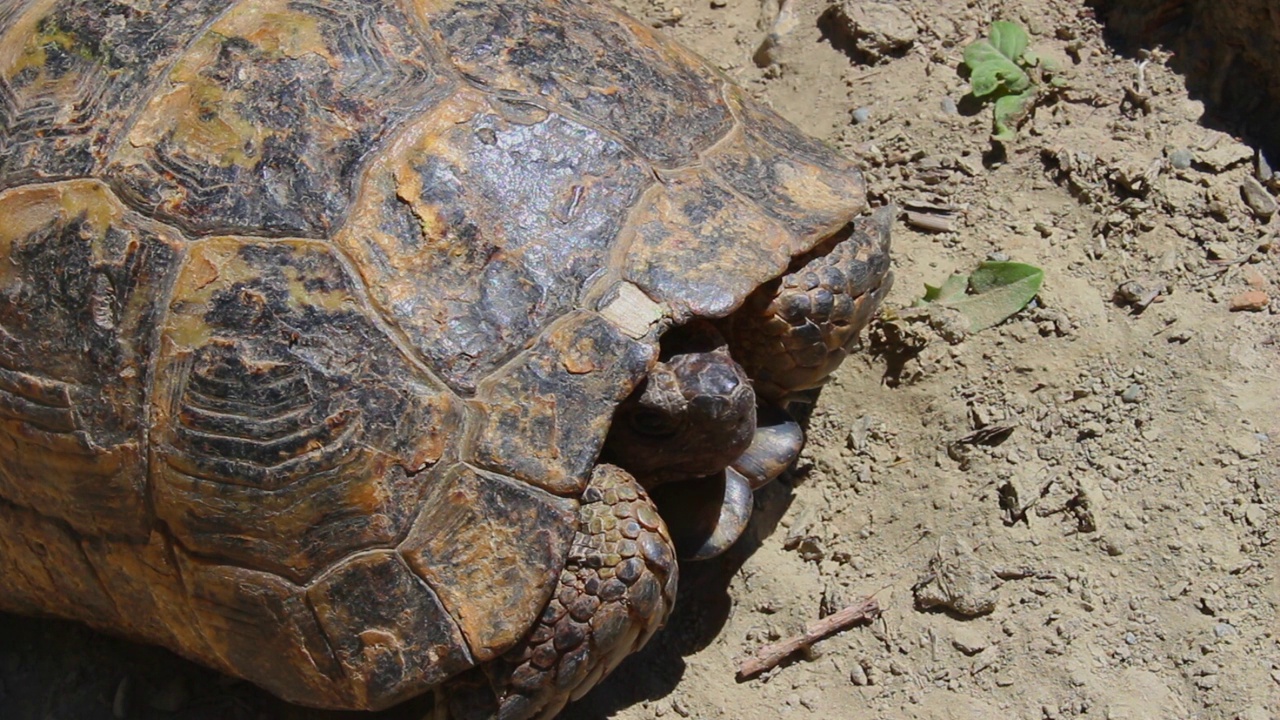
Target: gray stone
point(1257, 198)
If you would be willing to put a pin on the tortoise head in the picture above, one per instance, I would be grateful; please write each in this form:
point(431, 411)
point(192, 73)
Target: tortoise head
point(679, 434)
point(692, 416)
point(708, 424)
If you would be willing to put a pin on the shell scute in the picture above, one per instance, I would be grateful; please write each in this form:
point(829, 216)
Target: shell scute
point(514, 217)
point(151, 600)
point(82, 287)
point(45, 570)
point(700, 248)
point(261, 126)
point(543, 418)
point(793, 178)
point(259, 625)
point(488, 547)
point(73, 73)
point(597, 62)
point(387, 628)
point(288, 426)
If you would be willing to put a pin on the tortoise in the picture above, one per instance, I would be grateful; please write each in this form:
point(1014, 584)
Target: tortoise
point(343, 342)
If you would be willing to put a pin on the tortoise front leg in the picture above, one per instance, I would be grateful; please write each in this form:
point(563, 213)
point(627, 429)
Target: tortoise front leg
point(617, 588)
point(792, 333)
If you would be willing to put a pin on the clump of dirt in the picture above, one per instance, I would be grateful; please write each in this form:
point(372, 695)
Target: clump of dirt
point(1072, 514)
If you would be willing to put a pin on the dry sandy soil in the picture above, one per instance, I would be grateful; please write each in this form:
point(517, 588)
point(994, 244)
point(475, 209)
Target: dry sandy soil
point(1092, 486)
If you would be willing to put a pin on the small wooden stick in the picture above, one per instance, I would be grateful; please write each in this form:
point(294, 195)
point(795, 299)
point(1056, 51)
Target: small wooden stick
point(769, 656)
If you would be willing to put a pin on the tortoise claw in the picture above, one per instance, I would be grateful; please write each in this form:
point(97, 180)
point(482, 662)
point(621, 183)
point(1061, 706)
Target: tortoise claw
point(774, 447)
point(706, 516)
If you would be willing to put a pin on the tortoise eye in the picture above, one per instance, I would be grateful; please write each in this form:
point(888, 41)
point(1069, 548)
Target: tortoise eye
point(653, 423)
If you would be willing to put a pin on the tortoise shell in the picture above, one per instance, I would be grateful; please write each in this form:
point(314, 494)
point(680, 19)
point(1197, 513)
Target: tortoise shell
point(314, 314)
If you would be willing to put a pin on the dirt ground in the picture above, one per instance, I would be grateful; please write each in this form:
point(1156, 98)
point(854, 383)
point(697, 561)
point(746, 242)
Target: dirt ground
point(1092, 486)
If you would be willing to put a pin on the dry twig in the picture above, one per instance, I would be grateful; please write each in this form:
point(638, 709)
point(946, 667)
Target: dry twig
point(769, 656)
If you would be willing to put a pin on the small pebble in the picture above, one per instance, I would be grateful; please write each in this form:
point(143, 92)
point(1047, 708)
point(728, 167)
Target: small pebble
point(1224, 629)
point(1255, 515)
point(1208, 682)
point(1225, 154)
point(1206, 668)
point(1091, 429)
point(1113, 546)
point(1246, 446)
point(949, 106)
point(876, 30)
point(1251, 301)
point(1257, 198)
point(861, 115)
point(1220, 251)
point(970, 165)
point(1180, 158)
point(969, 641)
point(1256, 712)
point(717, 4)
point(998, 256)
point(858, 675)
point(1130, 638)
point(1255, 280)
point(1132, 394)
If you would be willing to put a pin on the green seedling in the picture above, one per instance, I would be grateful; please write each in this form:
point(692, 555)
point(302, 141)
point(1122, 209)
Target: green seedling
point(991, 294)
point(1002, 71)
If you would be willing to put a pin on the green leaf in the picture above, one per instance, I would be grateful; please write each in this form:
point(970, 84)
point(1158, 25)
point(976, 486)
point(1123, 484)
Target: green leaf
point(1008, 112)
point(991, 275)
point(1031, 58)
point(997, 71)
point(997, 290)
point(990, 71)
point(1010, 39)
point(950, 290)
